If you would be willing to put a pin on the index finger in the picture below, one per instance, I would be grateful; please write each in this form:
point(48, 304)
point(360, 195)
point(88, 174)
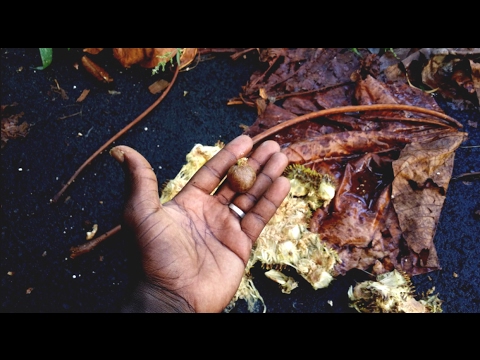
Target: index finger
point(208, 177)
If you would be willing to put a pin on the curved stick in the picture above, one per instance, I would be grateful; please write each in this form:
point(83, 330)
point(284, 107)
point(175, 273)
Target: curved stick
point(115, 137)
point(355, 108)
point(89, 245)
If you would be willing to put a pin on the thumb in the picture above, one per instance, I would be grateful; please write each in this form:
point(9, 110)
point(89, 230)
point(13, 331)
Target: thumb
point(142, 197)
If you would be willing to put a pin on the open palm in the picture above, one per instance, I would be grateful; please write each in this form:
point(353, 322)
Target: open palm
point(194, 246)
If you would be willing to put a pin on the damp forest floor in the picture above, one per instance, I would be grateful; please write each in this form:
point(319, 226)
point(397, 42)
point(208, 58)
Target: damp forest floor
point(36, 273)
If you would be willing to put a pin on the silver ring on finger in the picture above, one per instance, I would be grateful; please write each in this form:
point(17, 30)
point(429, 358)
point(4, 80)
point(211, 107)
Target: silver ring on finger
point(237, 210)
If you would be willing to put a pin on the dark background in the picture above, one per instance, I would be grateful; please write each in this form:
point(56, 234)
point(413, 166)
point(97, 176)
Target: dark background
point(36, 235)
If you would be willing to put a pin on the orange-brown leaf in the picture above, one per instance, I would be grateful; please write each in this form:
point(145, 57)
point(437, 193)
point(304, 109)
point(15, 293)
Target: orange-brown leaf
point(93, 51)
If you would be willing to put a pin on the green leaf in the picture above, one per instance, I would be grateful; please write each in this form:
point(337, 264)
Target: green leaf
point(47, 55)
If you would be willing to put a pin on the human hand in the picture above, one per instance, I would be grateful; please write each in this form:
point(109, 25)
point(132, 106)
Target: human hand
point(194, 248)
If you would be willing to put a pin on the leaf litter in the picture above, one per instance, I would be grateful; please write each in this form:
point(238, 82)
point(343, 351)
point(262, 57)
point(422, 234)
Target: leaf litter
point(10, 128)
point(392, 168)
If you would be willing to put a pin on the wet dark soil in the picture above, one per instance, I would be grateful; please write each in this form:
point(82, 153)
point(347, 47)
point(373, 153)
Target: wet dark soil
point(37, 274)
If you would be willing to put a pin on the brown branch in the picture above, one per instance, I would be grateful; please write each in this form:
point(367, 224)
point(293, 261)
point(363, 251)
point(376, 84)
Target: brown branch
point(466, 176)
point(355, 108)
point(115, 137)
point(89, 245)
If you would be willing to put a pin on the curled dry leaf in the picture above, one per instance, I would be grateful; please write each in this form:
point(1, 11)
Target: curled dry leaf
point(187, 57)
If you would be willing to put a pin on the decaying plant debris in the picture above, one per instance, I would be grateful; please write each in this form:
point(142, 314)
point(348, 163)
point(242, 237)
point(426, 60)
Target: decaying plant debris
point(390, 169)
point(10, 127)
point(391, 292)
point(150, 58)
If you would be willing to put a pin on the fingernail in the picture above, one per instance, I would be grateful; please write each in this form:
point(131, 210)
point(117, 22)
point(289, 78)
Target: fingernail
point(117, 154)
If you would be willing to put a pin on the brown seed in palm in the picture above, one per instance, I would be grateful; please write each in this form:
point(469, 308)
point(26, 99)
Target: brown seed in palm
point(241, 176)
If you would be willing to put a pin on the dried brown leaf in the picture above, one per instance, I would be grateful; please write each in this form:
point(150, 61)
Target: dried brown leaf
point(342, 144)
point(158, 86)
point(130, 56)
point(93, 51)
point(152, 57)
point(421, 177)
point(302, 70)
point(374, 91)
point(450, 76)
point(368, 222)
point(187, 57)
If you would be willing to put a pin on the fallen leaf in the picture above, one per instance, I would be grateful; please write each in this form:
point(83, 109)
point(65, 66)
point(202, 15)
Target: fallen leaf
point(187, 57)
point(451, 76)
point(368, 222)
point(93, 51)
point(421, 177)
point(158, 86)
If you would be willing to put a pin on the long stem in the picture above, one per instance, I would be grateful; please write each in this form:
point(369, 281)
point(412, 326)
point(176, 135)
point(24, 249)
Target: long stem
point(115, 137)
point(356, 108)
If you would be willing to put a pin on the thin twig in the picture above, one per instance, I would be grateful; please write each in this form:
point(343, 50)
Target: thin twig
point(240, 53)
point(355, 108)
point(465, 176)
point(89, 245)
point(69, 116)
point(115, 137)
